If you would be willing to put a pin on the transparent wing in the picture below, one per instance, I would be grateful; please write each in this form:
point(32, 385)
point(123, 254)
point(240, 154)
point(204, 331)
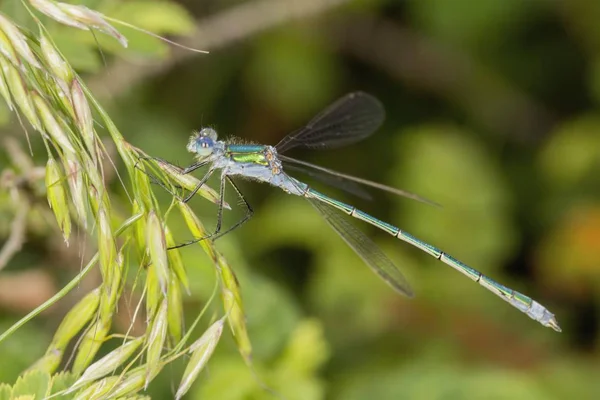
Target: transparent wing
point(365, 248)
point(331, 180)
point(349, 120)
point(348, 182)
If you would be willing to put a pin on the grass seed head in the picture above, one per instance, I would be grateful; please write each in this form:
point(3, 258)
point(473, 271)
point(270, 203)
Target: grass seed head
point(18, 41)
point(92, 340)
point(202, 349)
point(106, 244)
point(157, 246)
point(57, 197)
point(52, 10)
point(51, 125)
point(108, 364)
point(92, 19)
point(175, 261)
point(54, 60)
point(83, 115)
point(156, 342)
point(20, 94)
point(175, 309)
point(76, 319)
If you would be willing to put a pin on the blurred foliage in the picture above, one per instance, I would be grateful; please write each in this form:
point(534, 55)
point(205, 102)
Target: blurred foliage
point(522, 205)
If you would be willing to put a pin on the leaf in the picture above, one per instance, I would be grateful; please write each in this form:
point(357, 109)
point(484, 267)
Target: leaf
point(5, 391)
point(60, 382)
point(35, 383)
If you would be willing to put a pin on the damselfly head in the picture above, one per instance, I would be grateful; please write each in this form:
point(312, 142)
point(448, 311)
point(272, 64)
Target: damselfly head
point(202, 143)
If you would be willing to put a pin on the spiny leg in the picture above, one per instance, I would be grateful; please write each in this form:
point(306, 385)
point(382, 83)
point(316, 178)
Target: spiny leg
point(200, 184)
point(217, 233)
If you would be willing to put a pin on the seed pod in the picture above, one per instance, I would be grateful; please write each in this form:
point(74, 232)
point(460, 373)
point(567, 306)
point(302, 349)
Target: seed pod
point(57, 198)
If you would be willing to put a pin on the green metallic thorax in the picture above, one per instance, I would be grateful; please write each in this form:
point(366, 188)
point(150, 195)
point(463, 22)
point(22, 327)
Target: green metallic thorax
point(252, 154)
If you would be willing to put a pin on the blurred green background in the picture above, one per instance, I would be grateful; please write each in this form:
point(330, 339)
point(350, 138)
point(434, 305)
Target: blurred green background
point(492, 111)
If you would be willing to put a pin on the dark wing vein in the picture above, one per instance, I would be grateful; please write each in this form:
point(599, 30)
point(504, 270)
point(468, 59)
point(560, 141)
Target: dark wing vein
point(349, 120)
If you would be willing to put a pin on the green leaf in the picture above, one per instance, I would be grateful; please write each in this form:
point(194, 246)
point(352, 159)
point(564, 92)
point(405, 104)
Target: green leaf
point(35, 383)
point(60, 382)
point(5, 391)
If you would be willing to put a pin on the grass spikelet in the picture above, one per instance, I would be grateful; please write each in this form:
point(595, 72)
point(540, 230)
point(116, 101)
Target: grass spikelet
point(106, 244)
point(52, 10)
point(91, 19)
point(7, 50)
point(153, 293)
point(232, 301)
point(175, 261)
point(98, 390)
point(20, 94)
point(108, 364)
point(197, 229)
point(18, 41)
point(4, 90)
point(201, 350)
point(54, 60)
point(132, 382)
point(156, 342)
point(92, 340)
point(157, 247)
point(175, 309)
point(51, 125)
point(57, 197)
point(83, 116)
point(74, 172)
point(76, 319)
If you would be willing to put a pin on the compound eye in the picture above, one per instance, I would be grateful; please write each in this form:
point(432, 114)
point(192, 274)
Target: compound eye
point(204, 146)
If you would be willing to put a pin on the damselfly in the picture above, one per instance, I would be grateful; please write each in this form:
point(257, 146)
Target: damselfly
point(348, 120)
